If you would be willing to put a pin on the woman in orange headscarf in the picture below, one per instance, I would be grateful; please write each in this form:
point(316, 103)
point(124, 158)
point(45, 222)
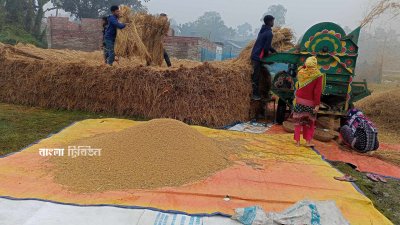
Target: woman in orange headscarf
point(309, 88)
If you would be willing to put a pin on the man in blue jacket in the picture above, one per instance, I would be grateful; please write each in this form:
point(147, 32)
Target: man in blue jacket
point(111, 33)
point(262, 48)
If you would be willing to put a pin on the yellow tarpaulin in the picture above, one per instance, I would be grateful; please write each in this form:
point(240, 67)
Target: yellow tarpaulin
point(272, 173)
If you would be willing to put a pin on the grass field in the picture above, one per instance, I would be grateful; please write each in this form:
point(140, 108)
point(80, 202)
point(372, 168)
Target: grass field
point(21, 126)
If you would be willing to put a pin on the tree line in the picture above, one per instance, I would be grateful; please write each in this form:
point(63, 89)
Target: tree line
point(21, 20)
point(211, 26)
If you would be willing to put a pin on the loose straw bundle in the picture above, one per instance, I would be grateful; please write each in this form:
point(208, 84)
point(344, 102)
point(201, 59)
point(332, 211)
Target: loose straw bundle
point(152, 30)
point(380, 8)
point(129, 43)
point(283, 41)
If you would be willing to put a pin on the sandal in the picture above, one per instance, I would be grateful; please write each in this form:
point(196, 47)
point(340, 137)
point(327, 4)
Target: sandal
point(346, 178)
point(376, 178)
point(372, 177)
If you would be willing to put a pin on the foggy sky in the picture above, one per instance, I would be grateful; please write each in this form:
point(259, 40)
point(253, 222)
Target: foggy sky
point(301, 14)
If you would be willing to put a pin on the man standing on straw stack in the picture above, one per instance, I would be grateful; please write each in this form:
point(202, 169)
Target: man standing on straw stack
point(166, 56)
point(111, 34)
point(262, 48)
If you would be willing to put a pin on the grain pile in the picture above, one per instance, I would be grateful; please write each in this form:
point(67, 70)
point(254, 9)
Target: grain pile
point(154, 154)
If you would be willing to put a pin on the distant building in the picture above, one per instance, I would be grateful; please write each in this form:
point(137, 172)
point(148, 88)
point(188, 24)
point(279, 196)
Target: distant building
point(192, 48)
point(232, 49)
point(85, 35)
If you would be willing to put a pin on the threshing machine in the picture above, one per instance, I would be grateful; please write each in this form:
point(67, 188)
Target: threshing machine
point(337, 54)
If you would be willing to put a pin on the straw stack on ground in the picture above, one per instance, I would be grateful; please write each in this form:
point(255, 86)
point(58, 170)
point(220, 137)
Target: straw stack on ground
point(383, 109)
point(162, 153)
point(210, 94)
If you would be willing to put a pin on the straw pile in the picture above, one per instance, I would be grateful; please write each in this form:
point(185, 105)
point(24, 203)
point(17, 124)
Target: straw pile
point(154, 154)
point(152, 30)
point(129, 43)
point(383, 109)
point(209, 94)
point(142, 37)
point(283, 41)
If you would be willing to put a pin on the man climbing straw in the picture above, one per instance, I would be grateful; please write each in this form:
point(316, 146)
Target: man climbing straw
point(111, 34)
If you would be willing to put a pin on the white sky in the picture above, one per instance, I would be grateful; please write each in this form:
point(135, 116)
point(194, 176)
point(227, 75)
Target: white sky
point(301, 14)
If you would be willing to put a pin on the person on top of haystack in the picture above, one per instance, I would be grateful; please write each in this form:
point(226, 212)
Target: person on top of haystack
point(103, 45)
point(111, 33)
point(166, 56)
point(359, 133)
point(262, 47)
point(309, 87)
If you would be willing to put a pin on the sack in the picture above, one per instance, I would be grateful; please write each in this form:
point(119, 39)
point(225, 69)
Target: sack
point(302, 213)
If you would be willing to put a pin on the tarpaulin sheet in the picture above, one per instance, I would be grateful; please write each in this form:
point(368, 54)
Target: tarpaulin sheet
point(364, 162)
point(272, 173)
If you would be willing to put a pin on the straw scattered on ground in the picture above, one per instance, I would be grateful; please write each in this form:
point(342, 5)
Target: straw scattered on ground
point(155, 154)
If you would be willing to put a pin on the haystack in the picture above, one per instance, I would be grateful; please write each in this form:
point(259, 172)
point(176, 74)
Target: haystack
point(212, 94)
point(383, 109)
point(209, 94)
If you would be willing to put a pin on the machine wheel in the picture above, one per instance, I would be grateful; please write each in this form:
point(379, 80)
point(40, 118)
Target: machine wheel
point(281, 111)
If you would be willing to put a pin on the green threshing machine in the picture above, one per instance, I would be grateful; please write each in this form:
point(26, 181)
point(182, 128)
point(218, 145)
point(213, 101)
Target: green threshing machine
point(337, 54)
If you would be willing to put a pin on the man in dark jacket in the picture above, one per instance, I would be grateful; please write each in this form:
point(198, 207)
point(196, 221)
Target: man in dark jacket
point(103, 45)
point(111, 33)
point(262, 48)
point(166, 56)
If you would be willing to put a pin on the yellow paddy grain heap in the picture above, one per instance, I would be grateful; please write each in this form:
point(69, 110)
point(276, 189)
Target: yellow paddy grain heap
point(153, 154)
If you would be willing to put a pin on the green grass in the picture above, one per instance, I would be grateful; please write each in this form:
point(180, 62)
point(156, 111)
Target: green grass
point(21, 126)
point(386, 197)
point(14, 35)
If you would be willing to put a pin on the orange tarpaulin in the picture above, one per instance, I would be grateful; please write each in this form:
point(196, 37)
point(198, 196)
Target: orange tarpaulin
point(363, 162)
point(272, 173)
